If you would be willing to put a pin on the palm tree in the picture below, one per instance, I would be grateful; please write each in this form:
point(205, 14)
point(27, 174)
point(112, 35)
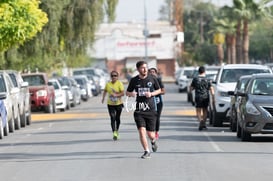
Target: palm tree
point(225, 26)
point(248, 10)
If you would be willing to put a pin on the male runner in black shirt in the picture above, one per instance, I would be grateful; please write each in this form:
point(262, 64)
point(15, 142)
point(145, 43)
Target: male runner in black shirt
point(145, 87)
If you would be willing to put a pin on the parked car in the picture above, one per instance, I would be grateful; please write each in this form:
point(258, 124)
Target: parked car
point(73, 90)
point(85, 86)
point(42, 95)
point(235, 99)
point(23, 97)
point(3, 118)
point(226, 81)
point(255, 113)
point(184, 77)
point(9, 95)
point(95, 79)
point(61, 95)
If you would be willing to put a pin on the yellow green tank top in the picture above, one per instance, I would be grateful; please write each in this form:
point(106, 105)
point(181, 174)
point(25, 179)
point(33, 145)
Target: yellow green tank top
point(111, 88)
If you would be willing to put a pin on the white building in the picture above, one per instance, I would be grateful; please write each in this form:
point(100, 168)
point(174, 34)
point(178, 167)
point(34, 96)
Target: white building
point(123, 44)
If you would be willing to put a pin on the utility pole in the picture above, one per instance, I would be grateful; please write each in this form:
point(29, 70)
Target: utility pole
point(145, 31)
point(178, 21)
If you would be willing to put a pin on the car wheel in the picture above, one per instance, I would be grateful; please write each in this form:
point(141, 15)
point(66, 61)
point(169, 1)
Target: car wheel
point(74, 103)
point(18, 122)
point(23, 119)
point(1, 129)
point(245, 136)
point(239, 130)
point(210, 115)
point(188, 97)
point(216, 121)
point(54, 106)
point(11, 124)
point(49, 108)
point(6, 129)
point(28, 119)
point(233, 124)
point(67, 104)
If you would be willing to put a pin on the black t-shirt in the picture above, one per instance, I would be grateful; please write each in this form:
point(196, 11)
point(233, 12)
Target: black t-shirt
point(140, 86)
point(201, 86)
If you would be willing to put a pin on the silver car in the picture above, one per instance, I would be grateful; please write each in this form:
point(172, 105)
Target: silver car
point(9, 95)
point(23, 97)
point(255, 113)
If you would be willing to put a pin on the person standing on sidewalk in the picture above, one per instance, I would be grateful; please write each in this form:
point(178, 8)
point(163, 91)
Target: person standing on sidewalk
point(159, 100)
point(115, 90)
point(145, 87)
point(202, 88)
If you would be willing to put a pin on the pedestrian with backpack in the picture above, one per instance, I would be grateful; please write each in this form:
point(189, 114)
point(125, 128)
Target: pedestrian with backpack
point(203, 88)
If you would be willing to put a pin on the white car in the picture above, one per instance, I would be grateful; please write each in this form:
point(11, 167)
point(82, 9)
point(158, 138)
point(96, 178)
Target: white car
point(85, 86)
point(23, 98)
point(183, 78)
point(61, 95)
point(226, 81)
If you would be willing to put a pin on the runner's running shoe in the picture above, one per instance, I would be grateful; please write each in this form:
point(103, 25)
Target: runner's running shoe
point(154, 146)
point(146, 155)
point(115, 135)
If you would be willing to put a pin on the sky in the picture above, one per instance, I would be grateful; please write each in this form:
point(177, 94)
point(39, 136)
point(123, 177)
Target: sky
point(133, 10)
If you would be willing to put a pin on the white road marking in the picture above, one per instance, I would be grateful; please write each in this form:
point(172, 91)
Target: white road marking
point(213, 144)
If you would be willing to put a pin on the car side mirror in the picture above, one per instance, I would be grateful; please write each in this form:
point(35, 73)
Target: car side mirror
point(231, 93)
point(24, 84)
point(65, 87)
point(3, 96)
point(242, 94)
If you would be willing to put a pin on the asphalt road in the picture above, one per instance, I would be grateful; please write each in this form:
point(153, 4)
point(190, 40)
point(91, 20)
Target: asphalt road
point(77, 145)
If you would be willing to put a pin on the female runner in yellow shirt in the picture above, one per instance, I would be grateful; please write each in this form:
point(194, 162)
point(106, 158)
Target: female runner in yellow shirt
point(115, 90)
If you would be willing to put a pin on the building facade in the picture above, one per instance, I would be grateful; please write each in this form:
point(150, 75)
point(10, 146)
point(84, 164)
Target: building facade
point(121, 45)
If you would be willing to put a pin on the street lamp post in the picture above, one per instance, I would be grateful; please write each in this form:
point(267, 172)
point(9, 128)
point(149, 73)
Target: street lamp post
point(145, 31)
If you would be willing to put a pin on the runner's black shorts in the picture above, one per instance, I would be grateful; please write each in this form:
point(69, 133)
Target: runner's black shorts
point(145, 119)
point(201, 103)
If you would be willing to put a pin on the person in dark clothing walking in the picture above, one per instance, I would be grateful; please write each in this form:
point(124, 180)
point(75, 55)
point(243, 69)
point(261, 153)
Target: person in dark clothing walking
point(159, 100)
point(145, 87)
point(202, 88)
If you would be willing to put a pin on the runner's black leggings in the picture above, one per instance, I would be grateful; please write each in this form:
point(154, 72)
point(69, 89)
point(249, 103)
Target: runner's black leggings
point(115, 112)
point(159, 110)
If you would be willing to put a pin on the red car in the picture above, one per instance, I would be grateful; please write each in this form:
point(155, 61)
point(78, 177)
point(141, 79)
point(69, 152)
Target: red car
point(42, 95)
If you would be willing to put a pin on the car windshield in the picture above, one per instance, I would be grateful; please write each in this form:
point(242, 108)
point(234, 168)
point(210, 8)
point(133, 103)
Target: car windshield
point(262, 86)
point(34, 80)
point(54, 84)
point(232, 75)
point(80, 81)
point(242, 84)
point(2, 84)
point(13, 78)
point(188, 73)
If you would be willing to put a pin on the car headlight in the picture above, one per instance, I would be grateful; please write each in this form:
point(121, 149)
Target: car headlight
point(41, 93)
point(223, 94)
point(58, 95)
point(251, 109)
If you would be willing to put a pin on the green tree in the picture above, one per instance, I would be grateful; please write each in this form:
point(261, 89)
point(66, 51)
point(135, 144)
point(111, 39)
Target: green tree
point(70, 30)
point(110, 9)
point(248, 10)
point(19, 21)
